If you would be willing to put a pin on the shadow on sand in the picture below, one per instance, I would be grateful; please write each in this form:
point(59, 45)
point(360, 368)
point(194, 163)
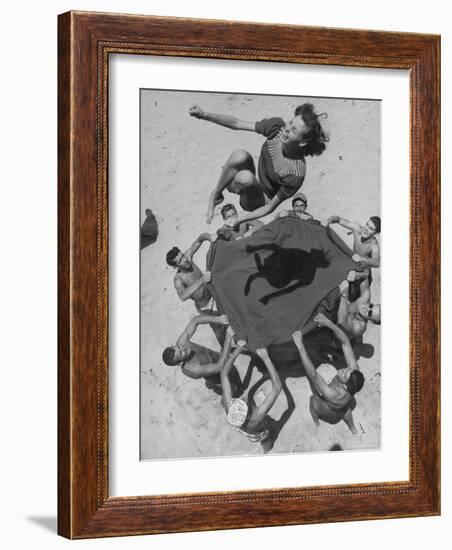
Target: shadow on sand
point(49, 523)
point(321, 347)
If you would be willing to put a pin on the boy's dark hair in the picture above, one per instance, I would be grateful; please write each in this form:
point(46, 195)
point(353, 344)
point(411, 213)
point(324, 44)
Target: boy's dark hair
point(377, 222)
point(168, 356)
point(355, 382)
point(226, 208)
point(300, 197)
point(315, 137)
point(171, 256)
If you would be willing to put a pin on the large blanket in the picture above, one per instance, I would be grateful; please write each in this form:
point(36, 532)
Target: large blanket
point(271, 283)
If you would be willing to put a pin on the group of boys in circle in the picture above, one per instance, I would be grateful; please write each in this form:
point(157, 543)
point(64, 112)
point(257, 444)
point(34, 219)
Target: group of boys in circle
point(280, 174)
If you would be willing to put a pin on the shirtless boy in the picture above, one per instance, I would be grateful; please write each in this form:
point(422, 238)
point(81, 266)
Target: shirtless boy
point(197, 361)
point(229, 231)
point(242, 413)
point(354, 316)
point(332, 402)
point(299, 205)
point(189, 281)
point(365, 244)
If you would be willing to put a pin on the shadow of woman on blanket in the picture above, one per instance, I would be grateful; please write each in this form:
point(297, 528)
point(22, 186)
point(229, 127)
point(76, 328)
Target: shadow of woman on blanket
point(284, 266)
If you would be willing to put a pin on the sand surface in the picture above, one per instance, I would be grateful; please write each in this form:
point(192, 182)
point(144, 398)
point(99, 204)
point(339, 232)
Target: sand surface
point(181, 158)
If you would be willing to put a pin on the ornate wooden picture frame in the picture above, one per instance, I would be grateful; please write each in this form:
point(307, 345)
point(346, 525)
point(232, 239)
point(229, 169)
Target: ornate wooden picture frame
point(86, 40)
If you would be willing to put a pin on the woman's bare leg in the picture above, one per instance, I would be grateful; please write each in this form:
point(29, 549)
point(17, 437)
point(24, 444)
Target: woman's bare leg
point(251, 193)
point(240, 160)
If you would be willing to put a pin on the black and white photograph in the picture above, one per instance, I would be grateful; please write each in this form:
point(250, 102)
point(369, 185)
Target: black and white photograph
point(233, 315)
point(260, 274)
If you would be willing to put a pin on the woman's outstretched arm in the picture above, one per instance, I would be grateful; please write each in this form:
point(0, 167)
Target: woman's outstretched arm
point(227, 121)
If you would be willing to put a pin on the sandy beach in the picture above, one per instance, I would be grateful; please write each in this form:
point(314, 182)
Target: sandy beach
point(181, 159)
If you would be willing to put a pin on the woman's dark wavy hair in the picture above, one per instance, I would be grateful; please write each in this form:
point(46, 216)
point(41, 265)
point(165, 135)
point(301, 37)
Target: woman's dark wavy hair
point(315, 136)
